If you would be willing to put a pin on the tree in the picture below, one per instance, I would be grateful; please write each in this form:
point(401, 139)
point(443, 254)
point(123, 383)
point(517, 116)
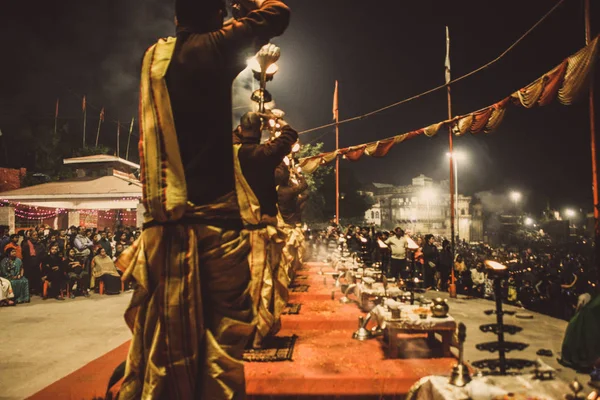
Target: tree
point(315, 209)
point(353, 203)
point(35, 145)
point(321, 203)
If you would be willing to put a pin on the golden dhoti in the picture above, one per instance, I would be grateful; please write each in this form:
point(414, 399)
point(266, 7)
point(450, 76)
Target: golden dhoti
point(190, 314)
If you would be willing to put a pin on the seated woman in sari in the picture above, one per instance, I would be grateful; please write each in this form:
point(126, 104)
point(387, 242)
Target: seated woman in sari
point(104, 269)
point(78, 276)
point(581, 347)
point(11, 268)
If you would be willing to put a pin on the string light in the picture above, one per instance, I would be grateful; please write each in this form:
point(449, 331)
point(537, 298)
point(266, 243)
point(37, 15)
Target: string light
point(35, 213)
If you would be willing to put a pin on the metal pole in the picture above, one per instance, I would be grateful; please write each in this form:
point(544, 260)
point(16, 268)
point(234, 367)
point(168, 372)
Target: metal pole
point(456, 196)
point(452, 288)
point(129, 138)
point(337, 158)
point(84, 125)
point(98, 133)
point(588, 38)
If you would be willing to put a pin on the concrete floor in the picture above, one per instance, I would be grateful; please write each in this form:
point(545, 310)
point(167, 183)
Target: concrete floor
point(45, 340)
point(541, 332)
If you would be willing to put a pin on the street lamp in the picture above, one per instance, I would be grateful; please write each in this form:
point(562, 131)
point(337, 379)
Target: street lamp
point(570, 213)
point(455, 156)
point(516, 197)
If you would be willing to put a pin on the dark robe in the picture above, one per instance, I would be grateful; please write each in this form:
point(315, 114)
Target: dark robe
point(32, 262)
point(258, 162)
point(199, 80)
point(53, 268)
point(288, 197)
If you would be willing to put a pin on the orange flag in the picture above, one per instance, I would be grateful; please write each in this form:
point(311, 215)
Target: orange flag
point(83, 105)
point(56, 113)
point(102, 114)
point(335, 102)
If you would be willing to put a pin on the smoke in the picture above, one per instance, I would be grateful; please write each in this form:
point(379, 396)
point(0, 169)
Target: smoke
point(494, 202)
point(241, 92)
point(142, 24)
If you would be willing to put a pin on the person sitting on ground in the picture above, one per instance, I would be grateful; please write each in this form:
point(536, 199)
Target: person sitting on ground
point(78, 276)
point(478, 279)
point(11, 268)
point(104, 270)
point(581, 347)
point(53, 272)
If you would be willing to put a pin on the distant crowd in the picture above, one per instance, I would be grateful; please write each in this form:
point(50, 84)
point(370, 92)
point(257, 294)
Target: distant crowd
point(58, 264)
point(555, 280)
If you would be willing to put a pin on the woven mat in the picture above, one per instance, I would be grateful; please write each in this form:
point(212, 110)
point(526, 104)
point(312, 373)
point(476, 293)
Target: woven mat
point(299, 288)
point(275, 349)
point(291, 308)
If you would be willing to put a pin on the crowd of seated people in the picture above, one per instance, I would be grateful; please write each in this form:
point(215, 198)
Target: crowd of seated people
point(553, 279)
point(55, 264)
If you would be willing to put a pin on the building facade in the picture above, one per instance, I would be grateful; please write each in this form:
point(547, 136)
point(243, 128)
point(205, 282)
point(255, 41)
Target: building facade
point(424, 207)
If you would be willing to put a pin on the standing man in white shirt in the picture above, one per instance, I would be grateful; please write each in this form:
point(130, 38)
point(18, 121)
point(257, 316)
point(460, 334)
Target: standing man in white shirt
point(398, 246)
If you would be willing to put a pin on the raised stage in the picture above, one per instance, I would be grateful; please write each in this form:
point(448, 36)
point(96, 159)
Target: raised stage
point(327, 362)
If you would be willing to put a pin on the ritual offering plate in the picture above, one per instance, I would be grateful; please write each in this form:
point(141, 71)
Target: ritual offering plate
point(422, 310)
point(524, 316)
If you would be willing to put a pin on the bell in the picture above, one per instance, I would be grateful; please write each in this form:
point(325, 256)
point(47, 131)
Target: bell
point(261, 96)
point(460, 373)
point(345, 299)
point(362, 333)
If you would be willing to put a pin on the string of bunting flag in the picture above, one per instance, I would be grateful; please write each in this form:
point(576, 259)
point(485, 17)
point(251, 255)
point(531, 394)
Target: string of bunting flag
point(566, 82)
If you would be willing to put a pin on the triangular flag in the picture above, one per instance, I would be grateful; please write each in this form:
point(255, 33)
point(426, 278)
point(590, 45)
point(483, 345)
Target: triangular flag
point(83, 105)
point(335, 102)
point(102, 114)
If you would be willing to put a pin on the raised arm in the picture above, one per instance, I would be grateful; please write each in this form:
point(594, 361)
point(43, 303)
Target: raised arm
point(275, 150)
point(247, 35)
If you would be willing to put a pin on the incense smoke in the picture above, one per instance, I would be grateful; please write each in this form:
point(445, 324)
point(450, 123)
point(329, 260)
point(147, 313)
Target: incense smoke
point(241, 92)
point(144, 23)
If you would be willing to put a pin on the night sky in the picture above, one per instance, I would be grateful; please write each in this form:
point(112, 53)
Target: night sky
point(381, 52)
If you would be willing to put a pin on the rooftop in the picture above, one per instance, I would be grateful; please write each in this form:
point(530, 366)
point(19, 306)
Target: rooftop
point(115, 186)
point(101, 160)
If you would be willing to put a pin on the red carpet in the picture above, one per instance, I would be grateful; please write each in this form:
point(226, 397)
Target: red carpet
point(327, 362)
point(88, 381)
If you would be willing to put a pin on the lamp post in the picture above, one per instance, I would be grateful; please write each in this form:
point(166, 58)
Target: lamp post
point(516, 198)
